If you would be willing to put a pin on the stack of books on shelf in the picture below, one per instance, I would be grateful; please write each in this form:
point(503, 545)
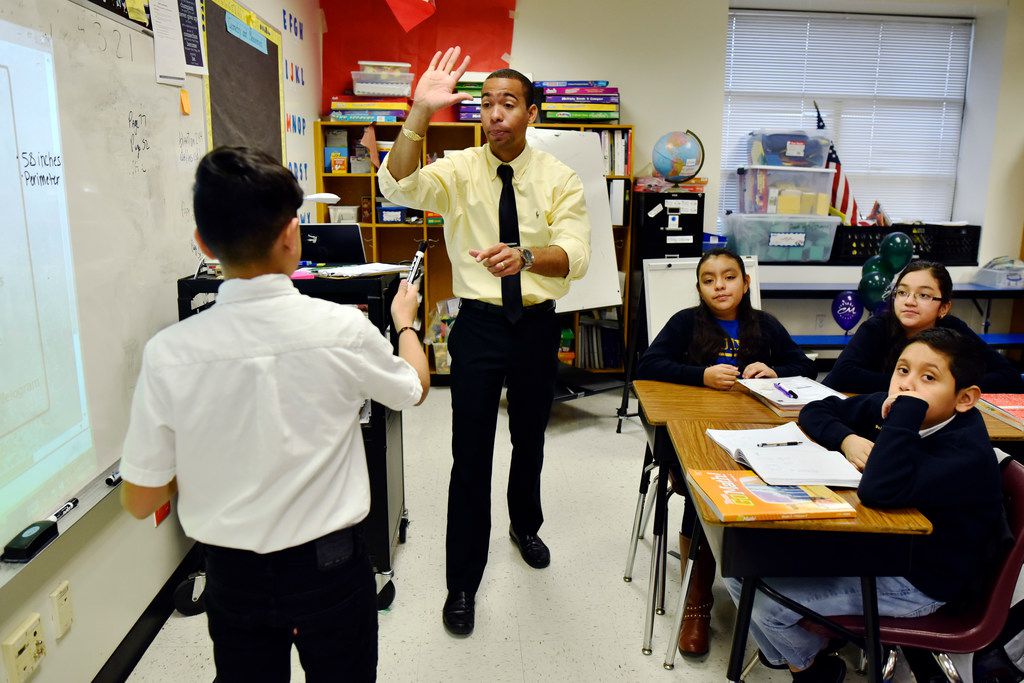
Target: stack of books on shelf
point(616, 148)
point(365, 110)
point(577, 102)
point(472, 83)
point(599, 344)
point(339, 157)
point(1008, 408)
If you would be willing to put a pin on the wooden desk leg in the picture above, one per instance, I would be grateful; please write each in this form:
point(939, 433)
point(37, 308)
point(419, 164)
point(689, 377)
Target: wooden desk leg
point(637, 530)
point(872, 644)
point(739, 636)
point(684, 590)
point(658, 547)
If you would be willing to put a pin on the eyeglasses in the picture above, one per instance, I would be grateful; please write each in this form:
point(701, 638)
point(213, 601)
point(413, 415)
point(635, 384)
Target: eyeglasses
point(920, 297)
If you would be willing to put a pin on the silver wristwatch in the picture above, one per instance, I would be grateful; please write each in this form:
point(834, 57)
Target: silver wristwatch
point(527, 258)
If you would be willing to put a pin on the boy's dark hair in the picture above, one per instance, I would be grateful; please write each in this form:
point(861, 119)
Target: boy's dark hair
point(242, 199)
point(964, 355)
point(516, 76)
point(708, 336)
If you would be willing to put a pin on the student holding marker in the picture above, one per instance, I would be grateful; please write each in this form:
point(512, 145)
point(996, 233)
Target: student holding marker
point(712, 345)
point(250, 410)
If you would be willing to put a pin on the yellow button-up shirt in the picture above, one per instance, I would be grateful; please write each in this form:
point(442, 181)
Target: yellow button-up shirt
point(465, 189)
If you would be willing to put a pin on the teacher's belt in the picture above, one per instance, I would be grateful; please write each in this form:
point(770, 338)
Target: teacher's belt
point(493, 309)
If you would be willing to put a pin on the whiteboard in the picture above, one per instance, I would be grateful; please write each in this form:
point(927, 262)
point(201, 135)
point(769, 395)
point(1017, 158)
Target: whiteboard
point(581, 151)
point(670, 285)
point(120, 156)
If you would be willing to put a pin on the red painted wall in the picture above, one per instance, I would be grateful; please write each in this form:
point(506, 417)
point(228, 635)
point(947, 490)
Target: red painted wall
point(367, 30)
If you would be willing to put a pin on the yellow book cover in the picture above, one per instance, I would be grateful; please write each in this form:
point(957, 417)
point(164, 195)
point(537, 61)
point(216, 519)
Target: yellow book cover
point(741, 496)
point(340, 106)
point(577, 106)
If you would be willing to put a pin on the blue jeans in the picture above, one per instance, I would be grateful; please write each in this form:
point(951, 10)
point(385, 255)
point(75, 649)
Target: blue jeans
point(319, 596)
point(775, 628)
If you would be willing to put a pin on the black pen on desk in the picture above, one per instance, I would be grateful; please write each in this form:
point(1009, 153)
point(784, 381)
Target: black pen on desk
point(416, 269)
point(114, 478)
point(779, 443)
point(64, 509)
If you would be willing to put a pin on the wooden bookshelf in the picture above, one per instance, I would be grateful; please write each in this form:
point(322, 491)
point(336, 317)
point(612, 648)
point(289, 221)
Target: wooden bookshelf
point(396, 242)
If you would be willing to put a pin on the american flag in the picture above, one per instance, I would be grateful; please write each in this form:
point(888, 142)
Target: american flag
point(842, 199)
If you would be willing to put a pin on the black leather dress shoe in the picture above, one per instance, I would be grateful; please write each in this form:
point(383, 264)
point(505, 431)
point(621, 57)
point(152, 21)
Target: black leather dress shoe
point(532, 549)
point(459, 612)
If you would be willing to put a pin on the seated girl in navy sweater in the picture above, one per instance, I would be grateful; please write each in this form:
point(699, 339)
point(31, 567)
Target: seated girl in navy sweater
point(929, 450)
point(921, 299)
point(713, 344)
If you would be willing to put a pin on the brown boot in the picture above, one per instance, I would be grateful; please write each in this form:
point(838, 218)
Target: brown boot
point(693, 635)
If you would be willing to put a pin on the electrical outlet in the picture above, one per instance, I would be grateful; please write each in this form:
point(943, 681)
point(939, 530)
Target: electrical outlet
point(60, 599)
point(23, 648)
point(819, 321)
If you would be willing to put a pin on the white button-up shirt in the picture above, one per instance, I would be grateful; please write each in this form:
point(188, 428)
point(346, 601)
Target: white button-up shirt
point(254, 406)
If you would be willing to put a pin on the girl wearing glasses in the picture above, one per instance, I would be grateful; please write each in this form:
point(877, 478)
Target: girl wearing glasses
point(921, 299)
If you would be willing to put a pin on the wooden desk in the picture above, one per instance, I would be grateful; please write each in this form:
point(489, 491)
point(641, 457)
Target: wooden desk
point(661, 402)
point(874, 543)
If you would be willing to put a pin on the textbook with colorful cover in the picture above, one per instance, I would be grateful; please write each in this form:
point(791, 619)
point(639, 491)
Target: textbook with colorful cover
point(742, 496)
point(785, 456)
point(1008, 408)
point(787, 395)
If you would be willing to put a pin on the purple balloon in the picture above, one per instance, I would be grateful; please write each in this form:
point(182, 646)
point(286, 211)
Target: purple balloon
point(847, 309)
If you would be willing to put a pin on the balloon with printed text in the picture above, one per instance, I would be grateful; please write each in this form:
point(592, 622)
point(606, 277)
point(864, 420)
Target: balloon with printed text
point(847, 309)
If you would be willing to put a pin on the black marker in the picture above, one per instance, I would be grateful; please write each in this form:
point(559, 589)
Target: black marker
point(114, 478)
point(416, 269)
point(64, 509)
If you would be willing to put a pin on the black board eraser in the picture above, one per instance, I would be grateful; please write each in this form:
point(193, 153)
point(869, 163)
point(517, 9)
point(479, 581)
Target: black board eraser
point(30, 541)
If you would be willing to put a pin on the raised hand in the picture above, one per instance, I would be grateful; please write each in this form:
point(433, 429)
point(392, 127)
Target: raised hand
point(435, 89)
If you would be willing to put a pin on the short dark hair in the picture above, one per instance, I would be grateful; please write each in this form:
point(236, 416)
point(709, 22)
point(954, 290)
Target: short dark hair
point(512, 74)
point(964, 355)
point(242, 199)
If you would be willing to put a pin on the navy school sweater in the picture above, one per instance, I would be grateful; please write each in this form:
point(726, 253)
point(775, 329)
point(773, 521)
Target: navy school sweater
point(951, 476)
point(668, 358)
point(867, 362)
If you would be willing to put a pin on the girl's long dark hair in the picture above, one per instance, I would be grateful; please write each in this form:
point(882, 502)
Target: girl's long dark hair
point(897, 335)
point(709, 338)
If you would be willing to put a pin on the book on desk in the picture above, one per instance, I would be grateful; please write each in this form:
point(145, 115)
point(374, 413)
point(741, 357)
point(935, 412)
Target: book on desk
point(742, 496)
point(1008, 408)
point(785, 456)
point(786, 395)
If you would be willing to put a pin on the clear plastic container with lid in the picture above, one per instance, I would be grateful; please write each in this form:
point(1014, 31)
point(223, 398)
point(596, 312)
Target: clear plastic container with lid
point(385, 67)
point(382, 83)
point(781, 189)
point(789, 148)
point(782, 239)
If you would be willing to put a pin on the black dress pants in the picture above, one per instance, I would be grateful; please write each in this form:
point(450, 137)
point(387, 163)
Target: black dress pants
point(486, 352)
point(319, 596)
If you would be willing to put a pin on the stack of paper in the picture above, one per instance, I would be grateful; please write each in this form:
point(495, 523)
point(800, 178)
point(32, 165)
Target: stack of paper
point(787, 395)
point(784, 455)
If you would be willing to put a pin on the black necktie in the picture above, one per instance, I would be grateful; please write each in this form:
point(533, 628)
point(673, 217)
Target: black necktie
point(508, 232)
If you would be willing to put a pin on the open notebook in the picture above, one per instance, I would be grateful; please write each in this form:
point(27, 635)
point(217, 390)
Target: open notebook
point(787, 395)
point(800, 462)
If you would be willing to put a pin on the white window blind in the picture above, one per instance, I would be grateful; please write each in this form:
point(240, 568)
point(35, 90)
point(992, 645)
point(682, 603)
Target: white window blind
point(891, 91)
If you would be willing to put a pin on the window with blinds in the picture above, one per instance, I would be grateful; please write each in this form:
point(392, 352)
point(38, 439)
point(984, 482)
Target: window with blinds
point(890, 90)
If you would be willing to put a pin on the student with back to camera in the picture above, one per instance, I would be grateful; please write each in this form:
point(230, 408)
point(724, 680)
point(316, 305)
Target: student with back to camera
point(713, 344)
point(250, 411)
point(930, 451)
point(921, 299)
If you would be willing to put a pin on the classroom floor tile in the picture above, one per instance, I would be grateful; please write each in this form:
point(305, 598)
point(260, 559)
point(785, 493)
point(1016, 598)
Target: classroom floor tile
point(576, 620)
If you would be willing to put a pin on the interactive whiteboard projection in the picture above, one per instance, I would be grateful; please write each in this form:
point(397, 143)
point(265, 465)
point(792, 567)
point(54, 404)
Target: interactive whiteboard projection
point(45, 437)
point(581, 151)
point(96, 168)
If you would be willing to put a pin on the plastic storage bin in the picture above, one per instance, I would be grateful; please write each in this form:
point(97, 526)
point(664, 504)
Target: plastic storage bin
point(785, 190)
point(782, 239)
point(788, 148)
point(382, 83)
point(344, 214)
point(385, 67)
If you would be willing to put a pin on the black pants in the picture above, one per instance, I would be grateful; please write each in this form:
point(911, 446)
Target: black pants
point(487, 351)
point(320, 595)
